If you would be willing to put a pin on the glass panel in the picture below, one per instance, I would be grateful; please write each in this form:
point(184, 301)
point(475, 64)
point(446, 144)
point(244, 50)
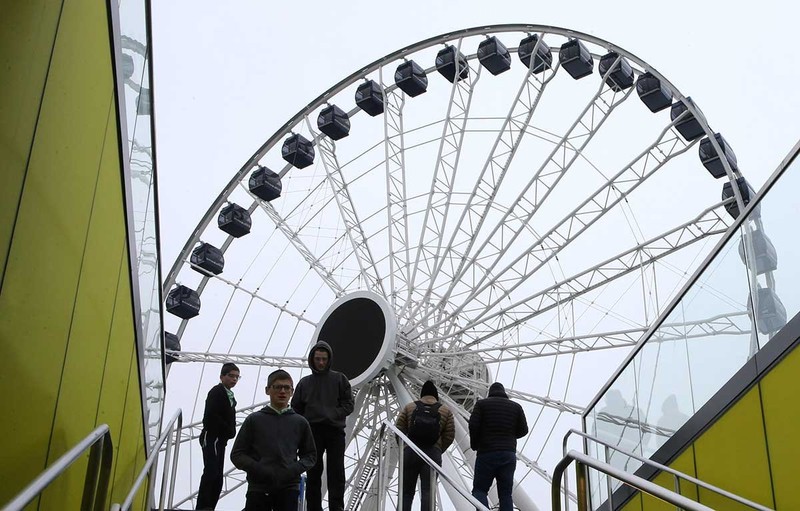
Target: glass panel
point(705, 339)
point(137, 104)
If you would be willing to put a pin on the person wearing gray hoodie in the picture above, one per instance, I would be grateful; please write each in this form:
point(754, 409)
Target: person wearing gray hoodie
point(274, 447)
point(325, 399)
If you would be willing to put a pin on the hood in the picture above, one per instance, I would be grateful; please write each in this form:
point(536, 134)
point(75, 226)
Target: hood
point(320, 345)
point(497, 390)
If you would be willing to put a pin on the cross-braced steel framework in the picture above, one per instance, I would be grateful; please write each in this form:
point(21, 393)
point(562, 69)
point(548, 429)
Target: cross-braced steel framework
point(523, 225)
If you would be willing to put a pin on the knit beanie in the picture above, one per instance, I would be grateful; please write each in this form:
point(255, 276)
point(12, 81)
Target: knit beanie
point(429, 389)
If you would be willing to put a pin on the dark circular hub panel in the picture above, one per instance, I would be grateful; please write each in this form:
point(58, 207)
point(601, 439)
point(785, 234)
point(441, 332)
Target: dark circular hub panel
point(356, 330)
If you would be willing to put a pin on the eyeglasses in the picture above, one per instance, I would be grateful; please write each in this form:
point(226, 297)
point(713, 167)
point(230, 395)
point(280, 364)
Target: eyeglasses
point(234, 376)
point(285, 388)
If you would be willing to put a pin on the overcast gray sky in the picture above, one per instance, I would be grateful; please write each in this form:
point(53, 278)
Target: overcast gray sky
point(229, 74)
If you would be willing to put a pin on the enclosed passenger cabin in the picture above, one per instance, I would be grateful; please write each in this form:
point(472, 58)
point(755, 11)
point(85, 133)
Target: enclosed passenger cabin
point(655, 95)
point(771, 316)
point(711, 160)
point(689, 127)
point(183, 302)
point(411, 78)
point(334, 122)
point(298, 151)
point(235, 220)
point(576, 59)
point(265, 184)
point(617, 70)
point(207, 258)
point(747, 195)
point(446, 61)
point(171, 343)
point(543, 59)
point(369, 97)
point(494, 56)
point(765, 255)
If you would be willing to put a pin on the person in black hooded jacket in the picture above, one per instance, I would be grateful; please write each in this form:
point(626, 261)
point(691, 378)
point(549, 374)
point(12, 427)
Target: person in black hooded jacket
point(274, 447)
point(325, 399)
point(494, 427)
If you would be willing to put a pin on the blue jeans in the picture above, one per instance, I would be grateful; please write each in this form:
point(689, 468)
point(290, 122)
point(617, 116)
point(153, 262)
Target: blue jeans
point(498, 465)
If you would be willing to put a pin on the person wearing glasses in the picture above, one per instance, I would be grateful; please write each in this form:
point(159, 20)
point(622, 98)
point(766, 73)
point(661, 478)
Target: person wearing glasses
point(274, 446)
point(324, 398)
point(219, 426)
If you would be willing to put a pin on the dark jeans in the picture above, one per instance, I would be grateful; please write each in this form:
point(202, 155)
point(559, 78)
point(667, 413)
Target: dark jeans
point(413, 468)
point(282, 500)
point(213, 465)
point(328, 439)
point(498, 465)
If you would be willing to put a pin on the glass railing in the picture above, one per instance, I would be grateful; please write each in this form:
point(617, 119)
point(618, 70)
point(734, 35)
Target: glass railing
point(136, 114)
point(709, 332)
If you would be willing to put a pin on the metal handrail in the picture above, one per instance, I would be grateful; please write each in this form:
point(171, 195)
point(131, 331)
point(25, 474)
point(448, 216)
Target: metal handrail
point(404, 440)
point(166, 435)
point(98, 472)
point(677, 474)
point(582, 461)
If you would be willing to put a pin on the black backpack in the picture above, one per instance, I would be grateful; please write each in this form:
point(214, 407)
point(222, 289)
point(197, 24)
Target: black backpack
point(424, 427)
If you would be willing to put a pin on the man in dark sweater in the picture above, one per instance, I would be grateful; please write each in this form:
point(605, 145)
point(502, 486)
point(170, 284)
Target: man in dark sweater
point(494, 426)
point(324, 398)
point(219, 425)
point(274, 447)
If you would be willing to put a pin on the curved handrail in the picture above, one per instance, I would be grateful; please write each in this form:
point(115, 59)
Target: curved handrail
point(97, 473)
point(166, 435)
point(631, 480)
point(407, 441)
point(664, 468)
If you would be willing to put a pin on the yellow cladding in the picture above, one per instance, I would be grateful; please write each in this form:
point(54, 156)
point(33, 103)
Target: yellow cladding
point(781, 417)
point(66, 314)
point(27, 32)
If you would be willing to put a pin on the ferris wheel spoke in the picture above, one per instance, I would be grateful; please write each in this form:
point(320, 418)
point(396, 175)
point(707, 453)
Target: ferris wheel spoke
point(711, 222)
point(325, 274)
point(444, 177)
point(247, 360)
point(396, 201)
point(668, 145)
point(543, 181)
point(353, 226)
point(494, 169)
point(480, 388)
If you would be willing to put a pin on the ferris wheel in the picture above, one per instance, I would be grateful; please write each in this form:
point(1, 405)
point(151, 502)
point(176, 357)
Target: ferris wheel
point(513, 203)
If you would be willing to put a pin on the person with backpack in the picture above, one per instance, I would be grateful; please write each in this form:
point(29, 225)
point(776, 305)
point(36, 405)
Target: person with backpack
point(430, 425)
point(494, 427)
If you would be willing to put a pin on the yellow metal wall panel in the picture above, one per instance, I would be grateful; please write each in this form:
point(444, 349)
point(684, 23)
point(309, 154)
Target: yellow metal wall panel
point(635, 504)
point(27, 32)
point(684, 463)
point(781, 418)
point(40, 283)
point(130, 438)
point(89, 336)
point(732, 454)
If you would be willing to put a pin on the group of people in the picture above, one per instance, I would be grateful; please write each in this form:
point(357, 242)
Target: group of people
point(299, 425)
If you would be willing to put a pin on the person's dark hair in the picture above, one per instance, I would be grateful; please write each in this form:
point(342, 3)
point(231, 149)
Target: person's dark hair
point(227, 367)
point(280, 374)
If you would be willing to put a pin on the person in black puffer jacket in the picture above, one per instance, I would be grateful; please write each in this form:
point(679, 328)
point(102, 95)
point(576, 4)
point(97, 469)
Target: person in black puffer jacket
point(494, 427)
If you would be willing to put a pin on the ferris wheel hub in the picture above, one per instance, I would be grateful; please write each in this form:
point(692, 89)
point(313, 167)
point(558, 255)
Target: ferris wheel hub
point(361, 330)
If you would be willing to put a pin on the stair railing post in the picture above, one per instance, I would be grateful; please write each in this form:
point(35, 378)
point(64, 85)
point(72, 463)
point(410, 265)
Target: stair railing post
point(582, 485)
point(400, 462)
